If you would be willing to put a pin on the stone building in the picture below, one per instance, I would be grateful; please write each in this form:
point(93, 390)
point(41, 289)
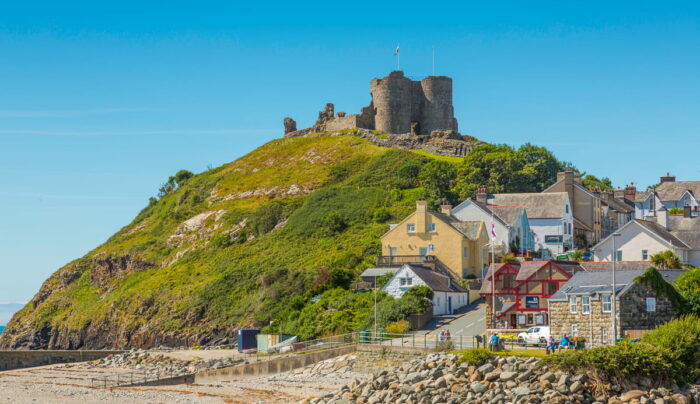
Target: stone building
point(583, 307)
point(399, 105)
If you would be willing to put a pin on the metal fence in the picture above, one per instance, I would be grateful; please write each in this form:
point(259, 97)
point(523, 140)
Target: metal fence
point(130, 378)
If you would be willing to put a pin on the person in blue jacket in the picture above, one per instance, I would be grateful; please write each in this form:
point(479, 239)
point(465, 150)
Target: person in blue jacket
point(494, 341)
point(565, 342)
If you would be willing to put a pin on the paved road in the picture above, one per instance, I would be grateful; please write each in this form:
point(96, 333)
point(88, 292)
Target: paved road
point(468, 324)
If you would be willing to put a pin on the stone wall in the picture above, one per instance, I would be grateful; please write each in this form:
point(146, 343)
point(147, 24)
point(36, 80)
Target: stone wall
point(374, 358)
point(596, 327)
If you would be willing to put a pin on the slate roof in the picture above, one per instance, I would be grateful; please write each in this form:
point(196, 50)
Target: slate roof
point(437, 281)
point(381, 271)
point(505, 214)
point(598, 266)
point(538, 206)
point(591, 283)
point(661, 232)
point(672, 191)
point(618, 205)
point(469, 229)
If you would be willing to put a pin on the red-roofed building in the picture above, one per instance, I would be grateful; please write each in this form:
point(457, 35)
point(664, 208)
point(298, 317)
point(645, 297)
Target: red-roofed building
point(522, 289)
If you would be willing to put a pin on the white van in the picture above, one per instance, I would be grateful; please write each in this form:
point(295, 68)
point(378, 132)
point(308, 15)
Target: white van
point(535, 335)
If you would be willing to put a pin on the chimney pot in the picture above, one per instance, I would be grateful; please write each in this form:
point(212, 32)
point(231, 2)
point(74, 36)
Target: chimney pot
point(482, 194)
point(446, 209)
point(668, 178)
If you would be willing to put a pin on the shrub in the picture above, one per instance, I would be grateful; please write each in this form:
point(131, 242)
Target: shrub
point(688, 285)
point(266, 218)
point(398, 327)
point(334, 222)
point(615, 363)
point(445, 346)
point(381, 215)
point(475, 356)
point(510, 257)
point(678, 339)
point(382, 280)
point(341, 278)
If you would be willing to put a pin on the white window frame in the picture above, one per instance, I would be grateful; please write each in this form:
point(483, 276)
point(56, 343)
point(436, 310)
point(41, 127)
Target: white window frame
point(603, 335)
point(574, 330)
point(393, 251)
point(617, 255)
point(432, 228)
point(651, 300)
point(603, 302)
point(431, 248)
point(573, 305)
point(585, 305)
point(410, 228)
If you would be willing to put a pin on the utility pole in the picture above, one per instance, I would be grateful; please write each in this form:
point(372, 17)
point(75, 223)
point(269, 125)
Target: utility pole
point(613, 296)
point(433, 60)
point(375, 309)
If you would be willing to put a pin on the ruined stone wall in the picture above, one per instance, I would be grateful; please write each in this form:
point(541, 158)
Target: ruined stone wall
point(392, 97)
point(341, 123)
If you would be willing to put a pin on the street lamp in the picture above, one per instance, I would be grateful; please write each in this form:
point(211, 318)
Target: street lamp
point(614, 294)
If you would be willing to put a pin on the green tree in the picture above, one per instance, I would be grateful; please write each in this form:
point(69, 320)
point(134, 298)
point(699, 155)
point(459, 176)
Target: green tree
point(174, 182)
point(688, 285)
point(341, 278)
point(592, 182)
point(666, 260)
point(577, 255)
point(437, 177)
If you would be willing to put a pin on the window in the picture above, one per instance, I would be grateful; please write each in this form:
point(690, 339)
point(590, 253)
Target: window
point(531, 319)
point(607, 303)
point(617, 256)
point(431, 228)
point(645, 255)
point(553, 239)
point(465, 252)
point(574, 330)
point(551, 288)
point(411, 228)
point(572, 304)
point(651, 304)
point(603, 335)
point(393, 251)
point(422, 251)
point(431, 247)
point(508, 281)
point(406, 281)
point(567, 208)
point(585, 304)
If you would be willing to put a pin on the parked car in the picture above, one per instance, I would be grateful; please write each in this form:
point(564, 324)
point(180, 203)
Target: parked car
point(534, 335)
point(588, 256)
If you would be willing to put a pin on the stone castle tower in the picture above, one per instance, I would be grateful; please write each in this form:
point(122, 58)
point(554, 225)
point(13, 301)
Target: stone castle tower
point(399, 105)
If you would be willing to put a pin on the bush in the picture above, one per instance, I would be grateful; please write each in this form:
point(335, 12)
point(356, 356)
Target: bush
point(266, 218)
point(398, 327)
point(341, 278)
point(678, 339)
point(445, 346)
point(688, 285)
point(334, 222)
point(381, 215)
point(615, 363)
point(475, 356)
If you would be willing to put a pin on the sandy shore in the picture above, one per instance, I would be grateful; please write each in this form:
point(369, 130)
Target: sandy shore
point(72, 384)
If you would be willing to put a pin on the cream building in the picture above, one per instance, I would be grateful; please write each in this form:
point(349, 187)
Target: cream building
point(460, 246)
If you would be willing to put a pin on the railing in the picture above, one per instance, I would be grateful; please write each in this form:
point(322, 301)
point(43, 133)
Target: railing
point(398, 260)
point(454, 342)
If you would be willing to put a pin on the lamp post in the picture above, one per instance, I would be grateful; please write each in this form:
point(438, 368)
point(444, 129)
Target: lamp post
point(375, 310)
point(613, 297)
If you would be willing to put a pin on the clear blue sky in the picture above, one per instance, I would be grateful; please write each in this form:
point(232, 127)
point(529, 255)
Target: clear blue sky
point(101, 101)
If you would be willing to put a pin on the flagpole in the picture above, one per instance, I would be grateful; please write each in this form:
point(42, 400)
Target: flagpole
point(493, 279)
point(433, 60)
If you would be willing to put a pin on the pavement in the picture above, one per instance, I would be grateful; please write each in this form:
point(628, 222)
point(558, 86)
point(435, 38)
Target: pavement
point(467, 322)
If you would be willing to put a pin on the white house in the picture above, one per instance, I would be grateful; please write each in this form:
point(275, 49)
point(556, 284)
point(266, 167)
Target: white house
point(448, 295)
point(639, 239)
point(549, 215)
point(669, 194)
point(513, 233)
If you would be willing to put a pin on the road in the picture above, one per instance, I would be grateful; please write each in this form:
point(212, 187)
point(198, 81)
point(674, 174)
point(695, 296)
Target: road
point(467, 325)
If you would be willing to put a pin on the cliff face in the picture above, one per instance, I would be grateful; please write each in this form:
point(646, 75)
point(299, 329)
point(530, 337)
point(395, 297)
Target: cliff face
point(227, 249)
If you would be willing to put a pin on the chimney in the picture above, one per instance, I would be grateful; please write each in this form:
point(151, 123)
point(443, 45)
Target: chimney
point(631, 192)
point(687, 211)
point(421, 216)
point(620, 193)
point(446, 209)
point(577, 178)
point(668, 178)
point(662, 217)
point(482, 194)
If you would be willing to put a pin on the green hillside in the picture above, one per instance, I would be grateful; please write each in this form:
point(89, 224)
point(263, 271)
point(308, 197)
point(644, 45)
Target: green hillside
point(233, 246)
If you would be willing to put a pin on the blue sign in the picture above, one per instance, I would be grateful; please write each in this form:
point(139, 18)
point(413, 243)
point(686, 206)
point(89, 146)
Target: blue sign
point(532, 302)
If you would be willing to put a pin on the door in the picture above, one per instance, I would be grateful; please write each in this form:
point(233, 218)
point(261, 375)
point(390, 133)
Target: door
point(449, 304)
point(422, 251)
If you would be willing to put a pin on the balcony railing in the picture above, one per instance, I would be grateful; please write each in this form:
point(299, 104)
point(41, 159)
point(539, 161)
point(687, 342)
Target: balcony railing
point(398, 260)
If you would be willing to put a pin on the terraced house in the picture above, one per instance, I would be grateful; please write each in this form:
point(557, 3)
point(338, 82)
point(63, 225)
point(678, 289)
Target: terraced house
point(454, 246)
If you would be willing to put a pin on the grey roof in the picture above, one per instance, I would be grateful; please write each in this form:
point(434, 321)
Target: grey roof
point(381, 271)
point(469, 229)
point(598, 266)
point(591, 283)
point(661, 232)
point(435, 280)
point(505, 214)
point(689, 238)
point(538, 205)
point(618, 205)
point(672, 191)
point(680, 223)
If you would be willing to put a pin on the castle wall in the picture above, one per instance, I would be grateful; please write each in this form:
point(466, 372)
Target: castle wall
point(342, 122)
point(437, 111)
point(392, 97)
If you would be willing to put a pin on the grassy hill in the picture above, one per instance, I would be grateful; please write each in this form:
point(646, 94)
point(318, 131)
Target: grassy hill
point(229, 248)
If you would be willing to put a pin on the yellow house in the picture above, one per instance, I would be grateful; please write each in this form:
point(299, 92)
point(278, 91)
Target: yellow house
point(461, 247)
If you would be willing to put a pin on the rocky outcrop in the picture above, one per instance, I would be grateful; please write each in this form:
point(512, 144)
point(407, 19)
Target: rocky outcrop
point(441, 378)
point(107, 268)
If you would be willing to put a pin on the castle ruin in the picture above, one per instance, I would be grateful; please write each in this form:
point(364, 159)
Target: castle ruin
point(399, 105)
point(415, 115)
